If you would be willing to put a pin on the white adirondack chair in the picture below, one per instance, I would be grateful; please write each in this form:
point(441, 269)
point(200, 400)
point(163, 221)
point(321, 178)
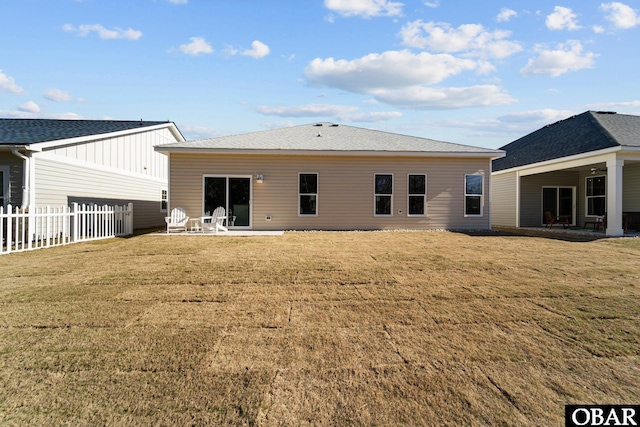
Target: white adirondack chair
point(177, 220)
point(217, 221)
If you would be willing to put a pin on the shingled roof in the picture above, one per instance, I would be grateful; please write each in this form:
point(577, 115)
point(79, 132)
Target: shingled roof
point(31, 131)
point(325, 138)
point(589, 131)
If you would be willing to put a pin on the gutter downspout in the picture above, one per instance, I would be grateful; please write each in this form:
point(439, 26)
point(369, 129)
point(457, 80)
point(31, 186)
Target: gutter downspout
point(26, 181)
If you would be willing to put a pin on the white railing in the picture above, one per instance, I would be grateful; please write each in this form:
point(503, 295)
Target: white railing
point(44, 227)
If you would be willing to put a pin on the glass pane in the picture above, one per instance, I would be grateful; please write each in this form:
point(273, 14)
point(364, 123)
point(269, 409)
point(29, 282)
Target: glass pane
point(215, 194)
point(308, 183)
point(239, 201)
point(565, 203)
point(596, 186)
point(307, 205)
point(417, 184)
point(384, 184)
point(473, 184)
point(416, 205)
point(383, 205)
point(1, 185)
point(549, 202)
point(472, 206)
point(596, 206)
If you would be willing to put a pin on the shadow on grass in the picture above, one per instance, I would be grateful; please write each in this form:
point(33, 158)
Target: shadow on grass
point(568, 235)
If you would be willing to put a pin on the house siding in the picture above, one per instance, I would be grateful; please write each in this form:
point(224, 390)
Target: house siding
point(345, 189)
point(15, 176)
point(631, 186)
point(62, 183)
point(504, 199)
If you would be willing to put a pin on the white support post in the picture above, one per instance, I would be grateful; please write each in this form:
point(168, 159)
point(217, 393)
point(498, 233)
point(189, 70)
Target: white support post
point(614, 197)
point(75, 222)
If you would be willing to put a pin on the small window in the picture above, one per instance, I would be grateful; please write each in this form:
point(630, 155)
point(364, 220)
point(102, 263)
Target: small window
point(308, 193)
point(596, 195)
point(473, 187)
point(383, 194)
point(163, 202)
point(417, 193)
point(4, 186)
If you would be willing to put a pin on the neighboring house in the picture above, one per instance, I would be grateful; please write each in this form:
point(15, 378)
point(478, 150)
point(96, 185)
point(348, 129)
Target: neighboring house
point(58, 162)
point(583, 167)
point(326, 176)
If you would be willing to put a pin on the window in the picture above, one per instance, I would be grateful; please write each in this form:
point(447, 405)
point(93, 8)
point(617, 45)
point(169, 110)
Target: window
point(473, 185)
point(383, 194)
point(308, 194)
point(596, 195)
point(417, 193)
point(163, 202)
point(4, 186)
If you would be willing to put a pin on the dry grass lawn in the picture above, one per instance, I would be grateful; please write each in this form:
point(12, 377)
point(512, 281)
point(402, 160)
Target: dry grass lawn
point(345, 328)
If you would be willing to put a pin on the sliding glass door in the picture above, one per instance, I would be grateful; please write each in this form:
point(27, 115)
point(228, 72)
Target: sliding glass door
point(232, 193)
point(560, 201)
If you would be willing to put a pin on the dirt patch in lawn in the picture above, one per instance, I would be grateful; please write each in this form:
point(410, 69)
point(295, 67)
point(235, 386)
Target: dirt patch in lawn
point(326, 328)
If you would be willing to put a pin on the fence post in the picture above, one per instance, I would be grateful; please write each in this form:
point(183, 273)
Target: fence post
point(9, 227)
point(75, 223)
point(130, 219)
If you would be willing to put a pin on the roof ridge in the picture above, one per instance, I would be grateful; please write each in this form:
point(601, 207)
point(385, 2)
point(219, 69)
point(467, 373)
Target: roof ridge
point(604, 130)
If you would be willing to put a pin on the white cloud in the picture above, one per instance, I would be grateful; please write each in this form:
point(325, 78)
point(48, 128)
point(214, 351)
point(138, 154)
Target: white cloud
point(621, 15)
point(566, 57)
point(542, 117)
point(432, 4)
point(308, 110)
point(364, 8)
point(103, 33)
point(506, 15)
point(562, 18)
point(470, 39)
point(614, 105)
point(598, 29)
point(428, 98)
point(59, 95)
point(18, 114)
point(197, 46)
point(258, 50)
point(29, 107)
point(8, 84)
point(385, 70)
point(178, 1)
point(199, 132)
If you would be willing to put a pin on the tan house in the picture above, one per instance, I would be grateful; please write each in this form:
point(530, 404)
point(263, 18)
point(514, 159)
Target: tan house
point(326, 176)
point(585, 169)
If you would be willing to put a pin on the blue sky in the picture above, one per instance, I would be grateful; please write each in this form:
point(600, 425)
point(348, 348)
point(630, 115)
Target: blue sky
point(478, 73)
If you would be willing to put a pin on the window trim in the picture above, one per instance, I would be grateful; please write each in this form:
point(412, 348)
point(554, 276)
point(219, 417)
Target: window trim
point(375, 195)
point(309, 194)
point(481, 195)
point(587, 197)
point(6, 188)
point(164, 199)
point(424, 196)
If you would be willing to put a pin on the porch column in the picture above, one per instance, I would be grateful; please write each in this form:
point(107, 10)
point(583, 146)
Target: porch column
point(614, 197)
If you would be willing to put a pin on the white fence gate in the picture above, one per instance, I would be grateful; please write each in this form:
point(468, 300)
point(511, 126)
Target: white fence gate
point(44, 227)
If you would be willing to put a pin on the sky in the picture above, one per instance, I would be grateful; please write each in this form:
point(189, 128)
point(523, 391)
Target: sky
point(480, 73)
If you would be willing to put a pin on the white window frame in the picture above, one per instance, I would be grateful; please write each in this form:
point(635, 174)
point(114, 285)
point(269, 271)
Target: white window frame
point(375, 195)
point(164, 199)
point(481, 195)
point(308, 194)
point(424, 196)
point(587, 197)
point(5, 185)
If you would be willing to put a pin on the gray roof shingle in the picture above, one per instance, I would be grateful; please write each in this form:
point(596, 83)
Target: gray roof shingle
point(30, 131)
point(325, 137)
point(589, 131)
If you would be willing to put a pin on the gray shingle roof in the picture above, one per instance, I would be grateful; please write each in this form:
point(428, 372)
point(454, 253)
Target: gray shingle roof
point(325, 137)
point(589, 131)
point(30, 131)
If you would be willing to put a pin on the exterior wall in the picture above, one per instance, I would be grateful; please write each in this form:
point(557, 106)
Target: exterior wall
point(62, 182)
point(131, 153)
point(345, 189)
point(531, 195)
point(14, 163)
point(631, 188)
point(504, 199)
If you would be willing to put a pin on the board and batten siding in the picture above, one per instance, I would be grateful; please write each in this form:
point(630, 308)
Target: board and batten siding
point(60, 183)
point(345, 189)
point(504, 199)
point(14, 164)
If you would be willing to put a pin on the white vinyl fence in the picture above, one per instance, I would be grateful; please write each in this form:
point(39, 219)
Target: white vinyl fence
point(44, 227)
